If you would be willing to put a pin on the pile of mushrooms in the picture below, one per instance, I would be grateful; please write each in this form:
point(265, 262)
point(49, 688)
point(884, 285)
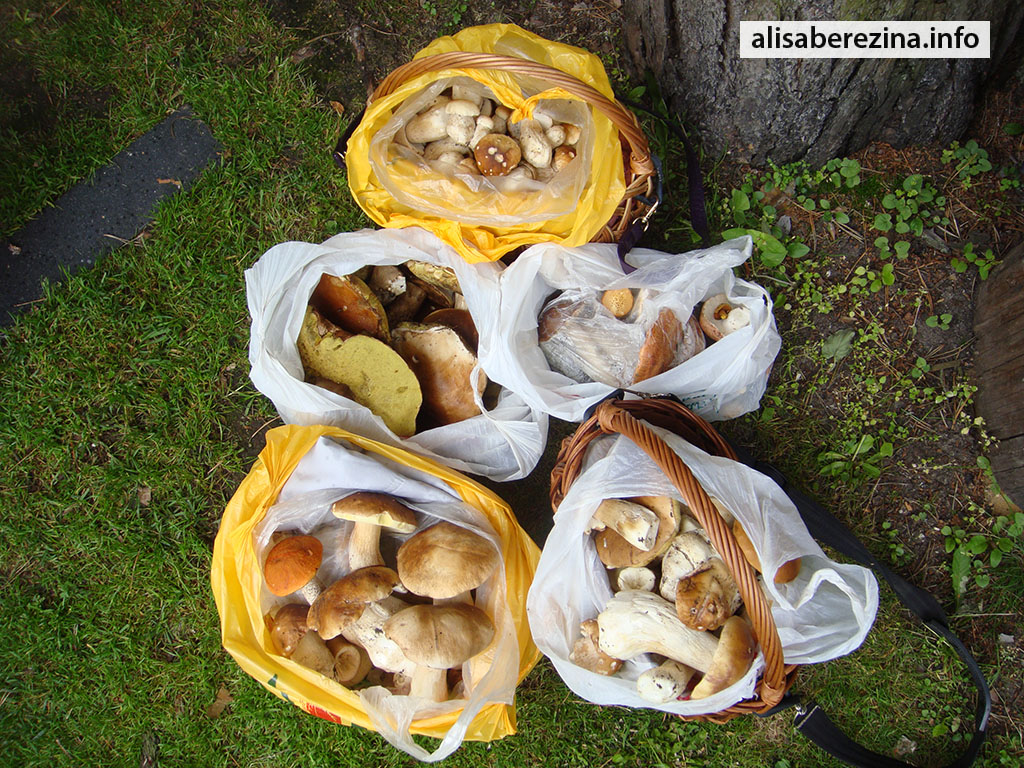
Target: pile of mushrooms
point(398, 340)
point(461, 131)
point(597, 335)
point(409, 626)
point(674, 598)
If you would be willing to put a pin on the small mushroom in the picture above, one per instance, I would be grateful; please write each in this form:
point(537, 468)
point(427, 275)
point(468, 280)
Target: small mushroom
point(572, 134)
point(438, 150)
point(636, 577)
point(388, 282)
point(344, 601)
point(430, 125)
point(371, 512)
point(445, 561)
point(634, 522)
point(436, 638)
point(287, 626)
point(291, 566)
point(484, 126)
point(561, 157)
point(719, 317)
point(535, 145)
point(665, 682)
point(732, 658)
point(586, 653)
point(312, 652)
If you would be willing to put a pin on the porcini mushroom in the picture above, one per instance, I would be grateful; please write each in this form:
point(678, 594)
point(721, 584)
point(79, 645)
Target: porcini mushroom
point(291, 566)
point(496, 154)
point(616, 552)
point(371, 513)
point(445, 561)
point(634, 522)
point(618, 301)
point(635, 622)
point(785, 573)
point(697, 580)
point(287, 626)
point(312, 652)
point(344, 601)
point(665, 682)
point(587, 654)
point(637, 577)
point(733, 656)
point(719, 316)
point(658, 352)
point(436, 638)
point(368, 632)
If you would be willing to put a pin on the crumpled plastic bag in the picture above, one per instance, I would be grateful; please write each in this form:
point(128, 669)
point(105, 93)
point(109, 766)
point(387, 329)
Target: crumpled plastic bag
point(724, 380)
point(290, 487)
point(824, 613)
point(484, 229)
point(503, 443)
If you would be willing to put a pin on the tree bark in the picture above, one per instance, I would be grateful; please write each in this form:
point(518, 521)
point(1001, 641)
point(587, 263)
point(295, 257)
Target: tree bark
point(813, 109)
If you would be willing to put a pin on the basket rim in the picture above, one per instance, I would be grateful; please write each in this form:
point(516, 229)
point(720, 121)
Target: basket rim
point(631, 418)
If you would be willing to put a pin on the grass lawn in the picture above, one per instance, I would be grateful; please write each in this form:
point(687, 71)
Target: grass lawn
point(128, 420)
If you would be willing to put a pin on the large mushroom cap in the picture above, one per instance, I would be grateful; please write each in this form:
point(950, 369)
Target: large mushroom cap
point(440, 636)
point(733, 656)
point(377, 509)
point(292, 563)
point(343, 602)
point(616, 552)
point(445, 560)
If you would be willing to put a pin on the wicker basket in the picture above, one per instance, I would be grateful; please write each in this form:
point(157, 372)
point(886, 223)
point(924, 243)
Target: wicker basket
point(627, 417)
point(637, 200)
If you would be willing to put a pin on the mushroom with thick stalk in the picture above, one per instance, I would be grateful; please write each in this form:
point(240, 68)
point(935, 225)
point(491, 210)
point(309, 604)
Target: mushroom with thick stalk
point(351, 662)
point(344, 601)
point(634, 522)
point(665, 682)
point(368, 632)
point(634, 623)
point(617, 552)
point(371, 513)
point(291, 566)
point(733, 656)
point(312, 652)
point(785, 573)
point(436, 638)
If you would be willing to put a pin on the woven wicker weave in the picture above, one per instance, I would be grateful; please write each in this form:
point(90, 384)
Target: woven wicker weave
point(627, 417)
point(639, 168)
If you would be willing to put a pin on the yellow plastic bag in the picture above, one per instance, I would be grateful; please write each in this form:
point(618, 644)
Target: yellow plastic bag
point(571, 215)
point(236, 580)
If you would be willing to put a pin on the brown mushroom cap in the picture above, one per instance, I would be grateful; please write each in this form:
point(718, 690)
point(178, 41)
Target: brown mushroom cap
point(460, 320)
point(733, 656)
point(378, 509)
point(616, 552)
point(707, 598)
point(587, 653)
point(292, 563)
point(350, 304)
point(496, 154)
point(287, 627)
point(440, 636)
point(445, 560)
point(786, 572)
point(659, 348)
point(343, 601)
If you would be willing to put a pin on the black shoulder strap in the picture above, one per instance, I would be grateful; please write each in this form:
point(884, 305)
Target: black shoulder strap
point(810, 719)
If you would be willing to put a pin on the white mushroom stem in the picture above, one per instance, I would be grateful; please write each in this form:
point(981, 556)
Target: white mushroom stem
point(311, 590)
point(665, 682)
point(635, 523)
point(429, 683)
point(368, 631)
point(364, 546)
point(636, 622)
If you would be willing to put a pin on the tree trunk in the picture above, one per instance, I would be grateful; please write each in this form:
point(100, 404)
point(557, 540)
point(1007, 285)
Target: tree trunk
point(815, 109)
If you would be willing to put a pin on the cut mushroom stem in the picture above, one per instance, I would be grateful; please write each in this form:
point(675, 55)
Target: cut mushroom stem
point(635, 523)
point(636, 577)
point(351, 663)
point(665, 682)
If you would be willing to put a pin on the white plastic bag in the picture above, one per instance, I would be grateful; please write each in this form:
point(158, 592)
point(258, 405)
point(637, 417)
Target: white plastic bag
point(725, 380)
point(825, 612)
point(330, 471)
point(503, 443)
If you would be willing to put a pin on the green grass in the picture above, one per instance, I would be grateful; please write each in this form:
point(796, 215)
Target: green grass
point(126, 424)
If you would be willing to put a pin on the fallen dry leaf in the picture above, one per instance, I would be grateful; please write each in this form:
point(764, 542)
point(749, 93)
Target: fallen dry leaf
point(338, 107)
point(220, 703)
point(175, 182)
point(145, 494)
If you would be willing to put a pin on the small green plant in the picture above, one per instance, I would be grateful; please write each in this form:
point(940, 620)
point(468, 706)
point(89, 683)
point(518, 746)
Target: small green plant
point(970, 161)
point(856, 461)
point(939, 321)
point(920, 368)
point(976, 555)
point(843, 173)
point(901, 248)
point(865, 279)
point(911, 207)
point(983, 261)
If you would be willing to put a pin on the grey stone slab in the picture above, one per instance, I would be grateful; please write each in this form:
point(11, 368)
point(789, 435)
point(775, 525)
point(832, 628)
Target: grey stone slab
point(99, 214)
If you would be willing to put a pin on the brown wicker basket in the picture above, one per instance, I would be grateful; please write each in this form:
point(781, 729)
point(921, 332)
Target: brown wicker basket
point(627, 417)
point(639, 168)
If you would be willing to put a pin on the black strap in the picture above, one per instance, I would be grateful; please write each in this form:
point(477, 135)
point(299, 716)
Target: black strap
point(810, 720)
